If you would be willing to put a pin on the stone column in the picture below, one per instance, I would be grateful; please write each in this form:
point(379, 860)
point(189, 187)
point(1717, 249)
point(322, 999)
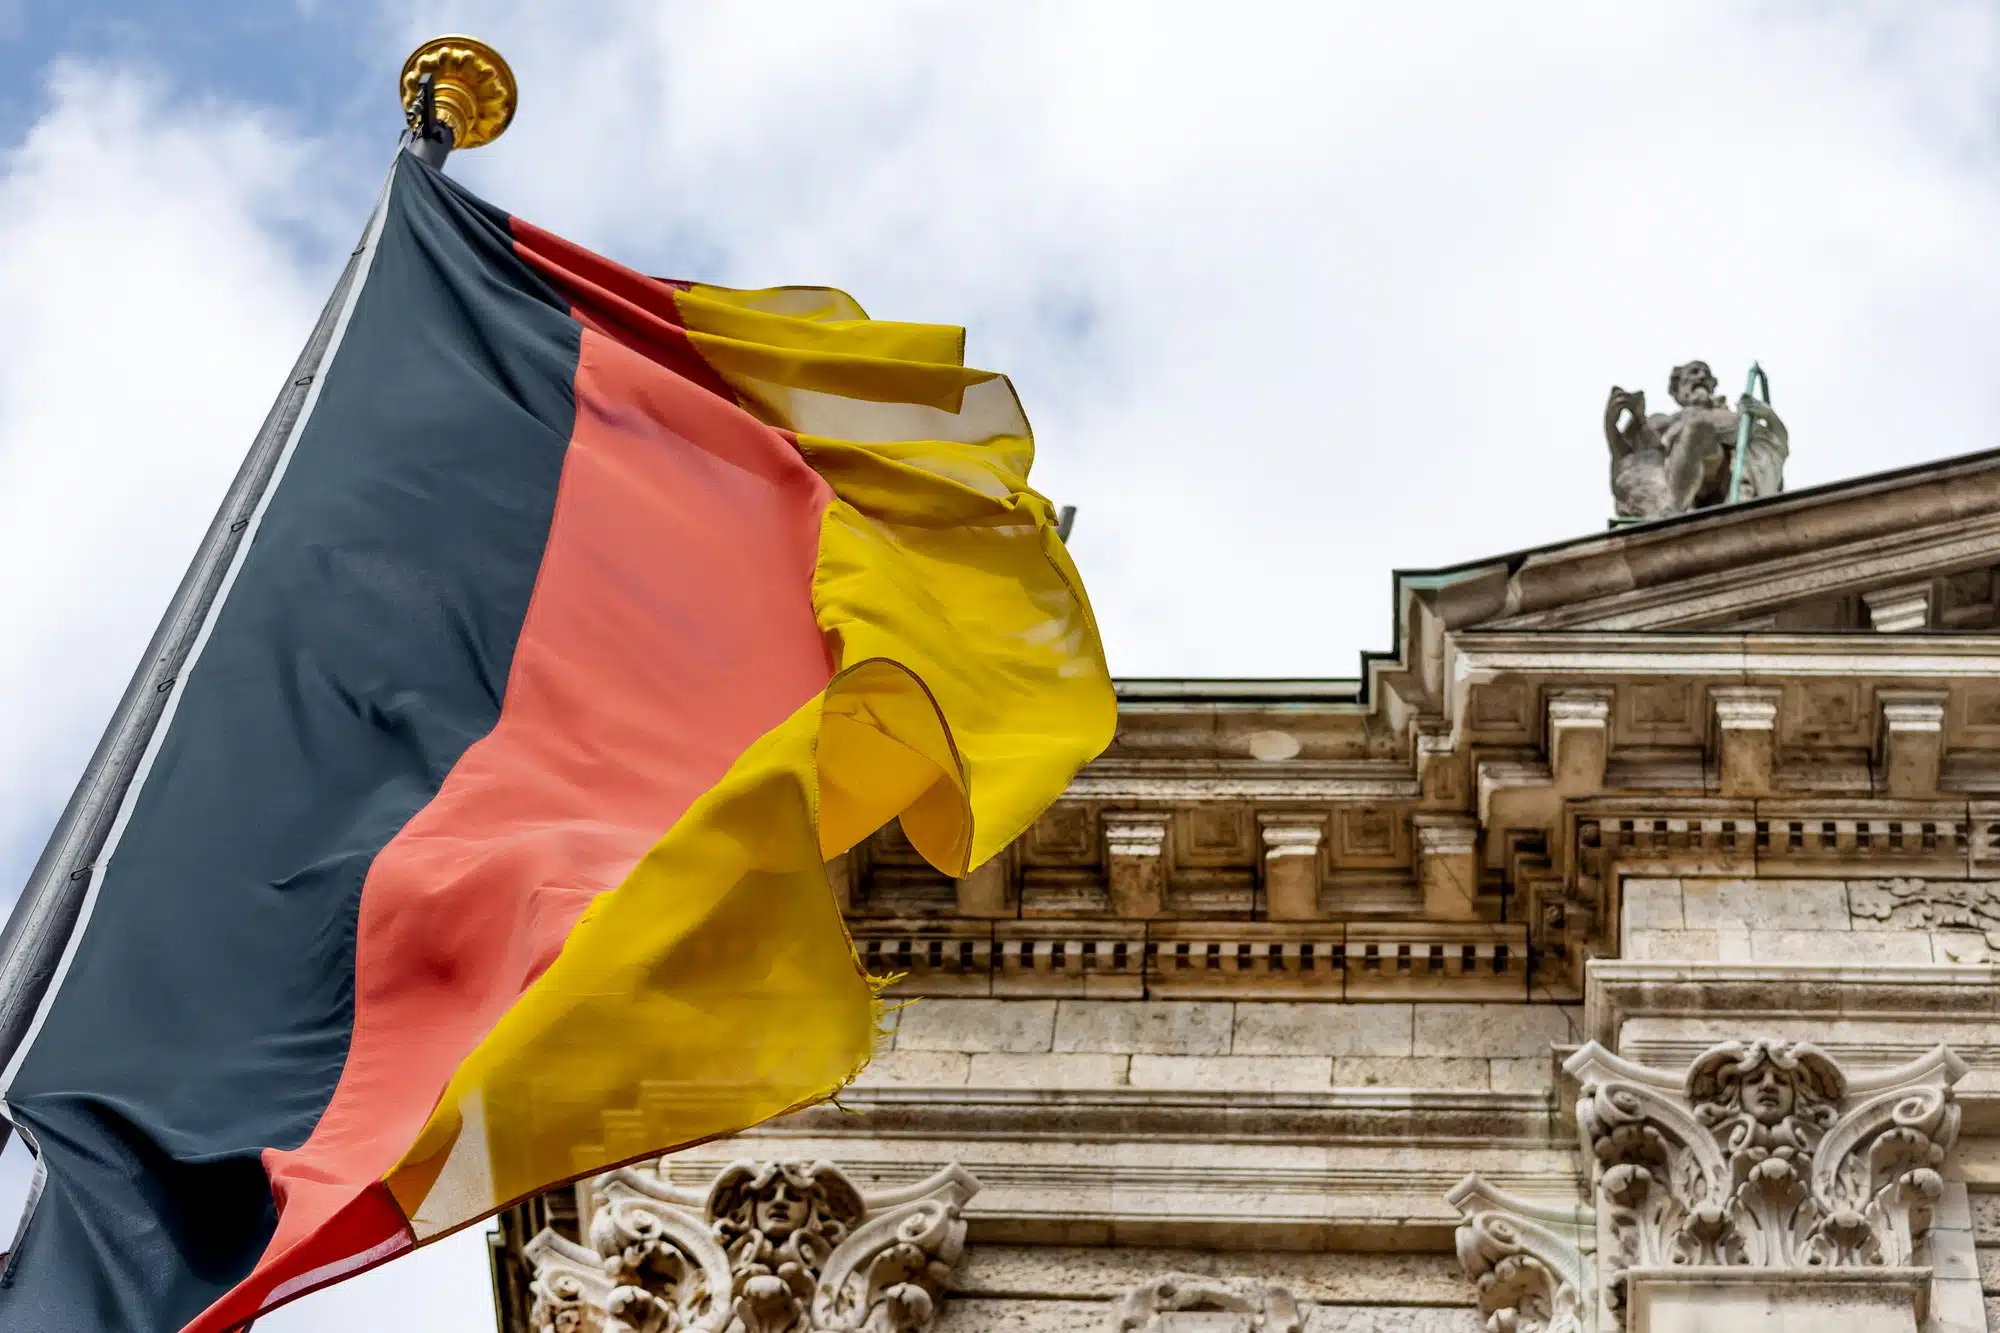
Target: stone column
point(1291, 865)
point(1135, 846)
point(1746, 737)
point(1448, 866)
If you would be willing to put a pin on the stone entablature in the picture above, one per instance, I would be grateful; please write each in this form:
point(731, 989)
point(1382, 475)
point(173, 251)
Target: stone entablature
point(1799, 687)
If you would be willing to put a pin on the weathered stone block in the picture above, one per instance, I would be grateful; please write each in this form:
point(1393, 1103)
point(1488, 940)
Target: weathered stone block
point(1769, 904)
point(1000, 1069)
point(1662, 946)
point(1522, 1075)
point(1956, 1307)
point(1839, 946)
point(1322, 1029)
point(929, 1069)
point(1652, 904)
point(1233, 1073)
point(1986, 1218)
point(1154, 1027)
point(1370, 1071)
point(1953, 1256)
point(977, 1025)
point(1392, 1319)
point(1004, 1316)
point(1494, 1030)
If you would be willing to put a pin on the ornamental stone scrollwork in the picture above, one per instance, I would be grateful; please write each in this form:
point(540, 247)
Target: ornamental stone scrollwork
point(770, 1247)
point(1765, 1155)
point(1527, 1261)
point(1185, 1301)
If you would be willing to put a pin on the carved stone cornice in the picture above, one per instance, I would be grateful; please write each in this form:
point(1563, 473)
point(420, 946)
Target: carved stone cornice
point(1163, 959)
point(770, 1247)
point(1763, 1155)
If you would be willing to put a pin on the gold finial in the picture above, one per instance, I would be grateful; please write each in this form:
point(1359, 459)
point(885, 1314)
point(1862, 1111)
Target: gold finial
point(474, 89)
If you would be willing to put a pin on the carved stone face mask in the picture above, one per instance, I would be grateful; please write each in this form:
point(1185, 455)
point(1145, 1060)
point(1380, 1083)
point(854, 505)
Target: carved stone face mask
point(1767, 1096)
point(782, 1210)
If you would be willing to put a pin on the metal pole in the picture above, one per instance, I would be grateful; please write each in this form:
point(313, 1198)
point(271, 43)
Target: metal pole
point(32, 944)
point(430, 138)
point(1750, 395)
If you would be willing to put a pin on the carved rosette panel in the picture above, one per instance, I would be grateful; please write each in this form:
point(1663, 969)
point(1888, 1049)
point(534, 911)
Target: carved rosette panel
point(1526, 1260)
point(1764, 1154)
point(770, 1247)
point(1164, 1305)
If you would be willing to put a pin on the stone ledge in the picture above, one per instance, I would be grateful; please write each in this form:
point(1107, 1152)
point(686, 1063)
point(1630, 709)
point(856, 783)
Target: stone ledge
point(1178, 1192)
point(1620, 990)
point(1339, 1116)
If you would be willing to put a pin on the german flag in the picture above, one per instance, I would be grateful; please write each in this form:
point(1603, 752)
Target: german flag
point(483, 844)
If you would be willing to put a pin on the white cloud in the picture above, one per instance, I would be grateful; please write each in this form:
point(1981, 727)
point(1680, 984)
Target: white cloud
point(161, 260)
point(1300, 293)
point(151, 301)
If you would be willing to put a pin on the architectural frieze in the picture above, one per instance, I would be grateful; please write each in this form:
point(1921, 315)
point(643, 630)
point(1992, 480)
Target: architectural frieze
point(1971, 905)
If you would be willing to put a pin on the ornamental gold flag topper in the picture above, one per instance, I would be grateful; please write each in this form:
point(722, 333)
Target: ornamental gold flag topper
point(465, 832)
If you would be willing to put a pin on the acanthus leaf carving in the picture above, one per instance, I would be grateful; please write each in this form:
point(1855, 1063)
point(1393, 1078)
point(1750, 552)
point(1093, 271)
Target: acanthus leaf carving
point(1526, 1260)
point(1765, 1155)
point(770, 1247)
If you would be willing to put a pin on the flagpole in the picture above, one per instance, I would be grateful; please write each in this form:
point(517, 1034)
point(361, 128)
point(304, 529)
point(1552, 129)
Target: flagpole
point(457, 92)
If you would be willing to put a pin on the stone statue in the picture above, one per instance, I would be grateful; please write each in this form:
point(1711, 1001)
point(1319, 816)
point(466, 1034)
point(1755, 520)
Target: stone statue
point(1670, 463)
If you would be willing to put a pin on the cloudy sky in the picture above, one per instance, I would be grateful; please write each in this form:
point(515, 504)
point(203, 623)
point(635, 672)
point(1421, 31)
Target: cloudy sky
point(1296, 294)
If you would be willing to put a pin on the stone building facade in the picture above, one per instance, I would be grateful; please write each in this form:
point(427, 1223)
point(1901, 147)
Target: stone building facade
point(1617, 953)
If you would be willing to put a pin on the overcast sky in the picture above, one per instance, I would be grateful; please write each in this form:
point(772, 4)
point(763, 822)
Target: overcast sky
point(1295, 294)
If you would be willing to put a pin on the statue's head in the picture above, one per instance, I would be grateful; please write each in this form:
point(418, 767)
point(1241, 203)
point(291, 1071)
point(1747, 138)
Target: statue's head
point(1692, 385)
